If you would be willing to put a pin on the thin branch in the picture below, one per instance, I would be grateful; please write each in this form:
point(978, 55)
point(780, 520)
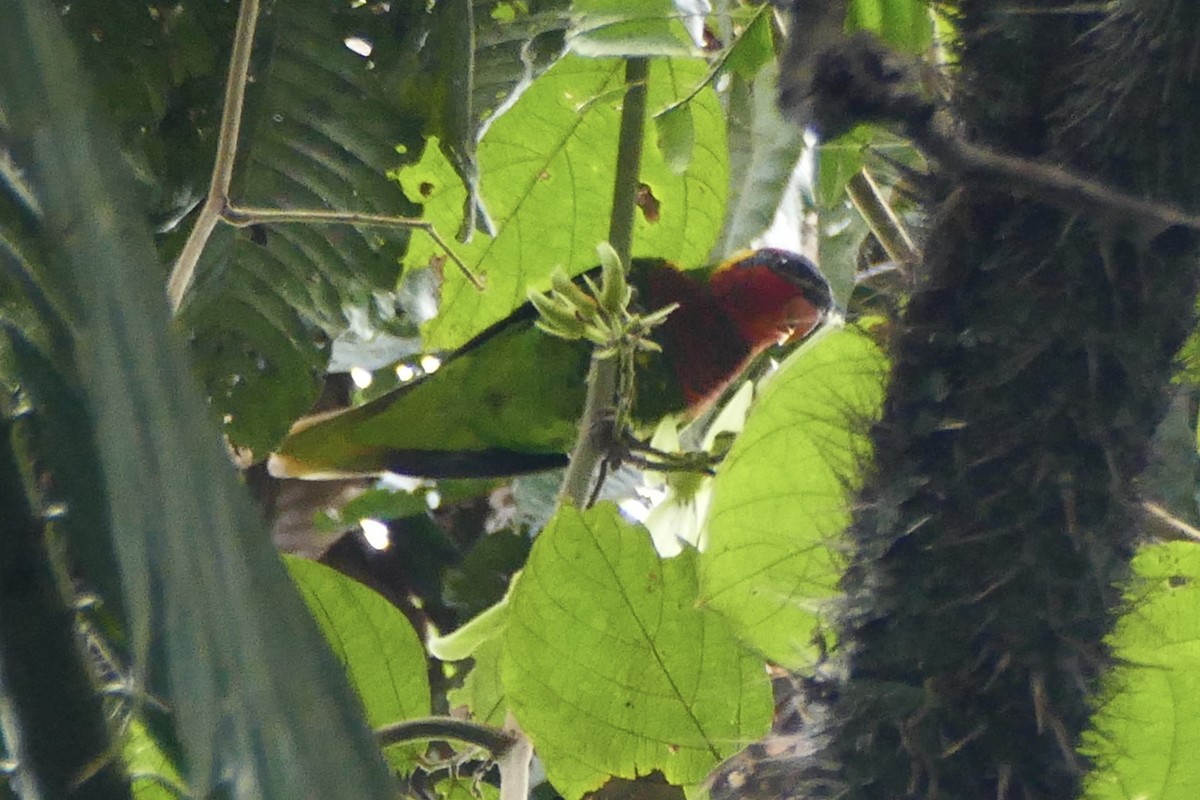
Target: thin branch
point(1047, 182)
point(242, 217)
point(509, 747)
point(1078, 8)
point(1175, 528)
point(882, 220)
point(227, 140)
point(602, 376)
point(497, 742)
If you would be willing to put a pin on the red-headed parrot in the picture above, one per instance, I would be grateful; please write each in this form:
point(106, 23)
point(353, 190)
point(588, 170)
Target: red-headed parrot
point(508, 401)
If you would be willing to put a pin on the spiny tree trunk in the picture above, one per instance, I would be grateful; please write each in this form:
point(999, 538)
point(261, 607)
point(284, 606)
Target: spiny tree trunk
point(997, 523)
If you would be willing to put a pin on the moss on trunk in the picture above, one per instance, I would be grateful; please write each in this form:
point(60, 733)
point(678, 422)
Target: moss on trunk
point(998, 519)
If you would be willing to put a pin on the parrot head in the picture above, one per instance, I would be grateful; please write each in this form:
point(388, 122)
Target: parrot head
point(773, 296)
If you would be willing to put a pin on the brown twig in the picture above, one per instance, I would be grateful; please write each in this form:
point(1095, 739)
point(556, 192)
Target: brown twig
point(227, 138)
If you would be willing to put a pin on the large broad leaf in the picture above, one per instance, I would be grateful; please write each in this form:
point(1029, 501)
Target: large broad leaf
point(764, 151)
point(763, 148)
point(610, 667)
point(321, 132)
point(323, 124)
point(482, 691)
point(383, 655)
point(628, 28)
point(547, 169)
point(781, 498)
point(261, 704)
point(159, 71)
point(1146, 732)
point(481, 641)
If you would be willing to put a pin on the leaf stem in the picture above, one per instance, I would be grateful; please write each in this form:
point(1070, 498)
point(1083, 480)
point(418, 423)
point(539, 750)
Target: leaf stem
point(514, 765)
point(602, 376)
point(243, 217)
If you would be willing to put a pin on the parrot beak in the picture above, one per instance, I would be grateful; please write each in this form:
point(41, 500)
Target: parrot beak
point(802, 319)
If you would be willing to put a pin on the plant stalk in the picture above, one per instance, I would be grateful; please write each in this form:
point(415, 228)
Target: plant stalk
point(602, 376)
point(227, 141)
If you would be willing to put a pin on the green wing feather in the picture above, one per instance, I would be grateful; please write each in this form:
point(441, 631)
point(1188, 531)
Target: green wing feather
point(507, 402)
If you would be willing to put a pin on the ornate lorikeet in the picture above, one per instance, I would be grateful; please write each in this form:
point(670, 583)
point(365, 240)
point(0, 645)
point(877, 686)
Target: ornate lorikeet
point(509, 400)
